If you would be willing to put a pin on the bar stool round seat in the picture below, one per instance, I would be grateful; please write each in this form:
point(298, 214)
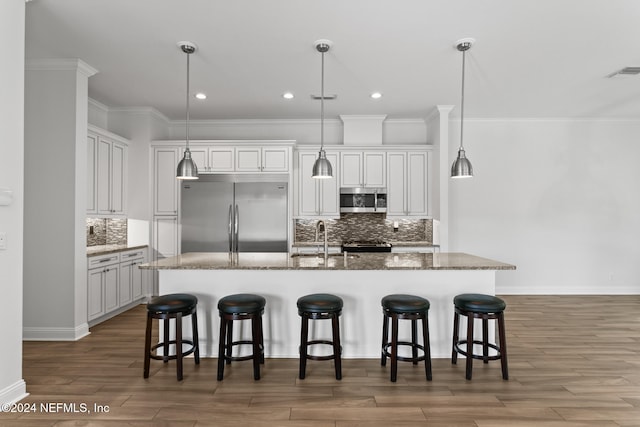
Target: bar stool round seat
point(316, 307)
point(167, 307)
point(241, 307)
point(484, 307)
point(410, 307)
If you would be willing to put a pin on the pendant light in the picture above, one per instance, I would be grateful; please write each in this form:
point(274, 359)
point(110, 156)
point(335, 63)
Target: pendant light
point(187, 168)
point(322, 167)
point(461, 167)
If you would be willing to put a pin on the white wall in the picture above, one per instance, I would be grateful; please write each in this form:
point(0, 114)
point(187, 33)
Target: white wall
point(557, 198)
point(12, 386)
point(55, 276)
point(304, 132)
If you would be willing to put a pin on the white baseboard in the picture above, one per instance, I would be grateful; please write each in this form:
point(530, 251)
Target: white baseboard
point(55, 334)
point(564, 290)
point(13, 393)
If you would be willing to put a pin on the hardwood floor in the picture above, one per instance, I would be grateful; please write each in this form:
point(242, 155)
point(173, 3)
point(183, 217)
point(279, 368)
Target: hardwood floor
point(573, 361)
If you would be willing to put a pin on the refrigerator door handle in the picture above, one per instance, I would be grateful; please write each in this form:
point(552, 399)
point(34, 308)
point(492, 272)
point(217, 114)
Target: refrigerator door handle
point(230, 229)
point(236, 220)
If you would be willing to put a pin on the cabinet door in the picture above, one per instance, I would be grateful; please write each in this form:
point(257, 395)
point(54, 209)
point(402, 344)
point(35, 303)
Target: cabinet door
point(200, 158)
point(275, 159)
point(374, 169)
point(118, 178)
point(417, 183)
point(103, 176)
point(308, 187)
point(111, 281)
point(165, 192)
point(165, 236)
point(222, 159)
point(126, 283)
point(351, 169)
point(248, 159)
point(92, 153)
point(138, 281)
point(95, 298)
point(396, 183)
point(329, 190)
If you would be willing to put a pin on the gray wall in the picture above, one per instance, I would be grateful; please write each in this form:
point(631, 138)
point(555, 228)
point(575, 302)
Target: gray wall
point(12, 12)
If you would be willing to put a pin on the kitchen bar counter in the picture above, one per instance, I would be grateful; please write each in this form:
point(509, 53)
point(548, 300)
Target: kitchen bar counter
point(361, 281)
point(354, 261)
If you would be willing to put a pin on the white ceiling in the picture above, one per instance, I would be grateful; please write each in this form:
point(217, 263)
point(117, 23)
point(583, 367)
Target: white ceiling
point(534, 59)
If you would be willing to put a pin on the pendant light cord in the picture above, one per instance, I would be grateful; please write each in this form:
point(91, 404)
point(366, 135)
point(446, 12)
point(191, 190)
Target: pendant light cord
point(464, 52)
point(187, 122)
point(322, 105)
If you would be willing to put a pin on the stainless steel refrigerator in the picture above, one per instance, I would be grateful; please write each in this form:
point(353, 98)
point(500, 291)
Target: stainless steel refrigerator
point(239, 213)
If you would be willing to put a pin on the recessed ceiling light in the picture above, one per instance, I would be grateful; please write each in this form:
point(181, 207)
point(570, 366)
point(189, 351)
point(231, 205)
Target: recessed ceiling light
point(201, 95)
point(376, 95)
point(287, 95)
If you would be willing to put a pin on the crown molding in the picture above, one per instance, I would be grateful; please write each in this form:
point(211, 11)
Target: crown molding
point(52, 64)
point(254, 122)
point(150, 111)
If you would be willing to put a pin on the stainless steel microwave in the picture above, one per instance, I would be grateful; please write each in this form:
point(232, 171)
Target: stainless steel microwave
point(363, 200)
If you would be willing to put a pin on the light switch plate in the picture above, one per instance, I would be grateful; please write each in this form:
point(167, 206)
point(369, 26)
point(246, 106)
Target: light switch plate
point(3, 240)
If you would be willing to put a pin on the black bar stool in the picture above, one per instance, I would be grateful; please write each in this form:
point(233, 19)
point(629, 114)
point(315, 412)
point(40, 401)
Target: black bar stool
point(166, 307)
point(241, 307)
point(315, 307)
point(414, 308)
point(485, 307)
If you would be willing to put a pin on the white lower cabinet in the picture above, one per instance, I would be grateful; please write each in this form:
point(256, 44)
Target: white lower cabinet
point(114, 283)
point(132, 278)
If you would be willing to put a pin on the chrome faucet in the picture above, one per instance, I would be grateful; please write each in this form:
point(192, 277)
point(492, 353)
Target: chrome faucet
point(321, 224)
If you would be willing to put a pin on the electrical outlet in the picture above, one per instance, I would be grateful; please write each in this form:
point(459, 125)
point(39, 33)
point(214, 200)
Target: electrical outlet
point(3, 240)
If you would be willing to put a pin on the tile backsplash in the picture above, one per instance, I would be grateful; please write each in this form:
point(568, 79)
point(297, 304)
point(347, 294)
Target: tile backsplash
point(366, 227)
point(106, 231)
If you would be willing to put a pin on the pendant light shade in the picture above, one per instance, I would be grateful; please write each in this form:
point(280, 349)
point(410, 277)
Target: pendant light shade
point(187, 168)
point(461, 167)
point(322, 167)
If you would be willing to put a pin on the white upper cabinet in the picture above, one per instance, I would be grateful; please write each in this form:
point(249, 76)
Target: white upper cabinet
point(238, 158)
point(362, 169)
point(317, 197)
point(262, 159)
point(407, 183)
point(106, 173)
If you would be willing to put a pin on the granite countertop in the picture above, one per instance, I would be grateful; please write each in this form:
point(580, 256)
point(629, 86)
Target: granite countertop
point(109, 249)
point(359, 261)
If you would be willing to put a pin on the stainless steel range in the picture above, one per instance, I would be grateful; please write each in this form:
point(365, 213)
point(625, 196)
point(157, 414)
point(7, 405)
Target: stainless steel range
point(374, 246)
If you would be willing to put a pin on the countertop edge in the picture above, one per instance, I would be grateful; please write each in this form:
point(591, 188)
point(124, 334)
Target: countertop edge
point(379, 262)
point(111, 249)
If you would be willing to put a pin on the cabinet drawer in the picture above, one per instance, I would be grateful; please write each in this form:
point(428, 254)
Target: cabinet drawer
point(131, 255)
point(101, 261)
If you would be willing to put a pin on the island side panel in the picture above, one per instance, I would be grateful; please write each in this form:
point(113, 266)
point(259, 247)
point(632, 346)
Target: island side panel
point(361, 320)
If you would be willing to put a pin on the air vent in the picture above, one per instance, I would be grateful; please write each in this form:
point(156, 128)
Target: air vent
point(326, 97)
point(625, 72)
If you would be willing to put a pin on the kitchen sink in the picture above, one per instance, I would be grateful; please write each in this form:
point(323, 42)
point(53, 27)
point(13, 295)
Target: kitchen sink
point(320, 255)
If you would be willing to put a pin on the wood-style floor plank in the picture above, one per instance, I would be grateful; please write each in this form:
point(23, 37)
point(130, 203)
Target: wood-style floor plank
point(574, 361)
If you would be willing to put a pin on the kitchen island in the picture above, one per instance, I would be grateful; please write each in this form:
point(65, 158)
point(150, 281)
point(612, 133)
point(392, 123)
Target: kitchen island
point(361, 280)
